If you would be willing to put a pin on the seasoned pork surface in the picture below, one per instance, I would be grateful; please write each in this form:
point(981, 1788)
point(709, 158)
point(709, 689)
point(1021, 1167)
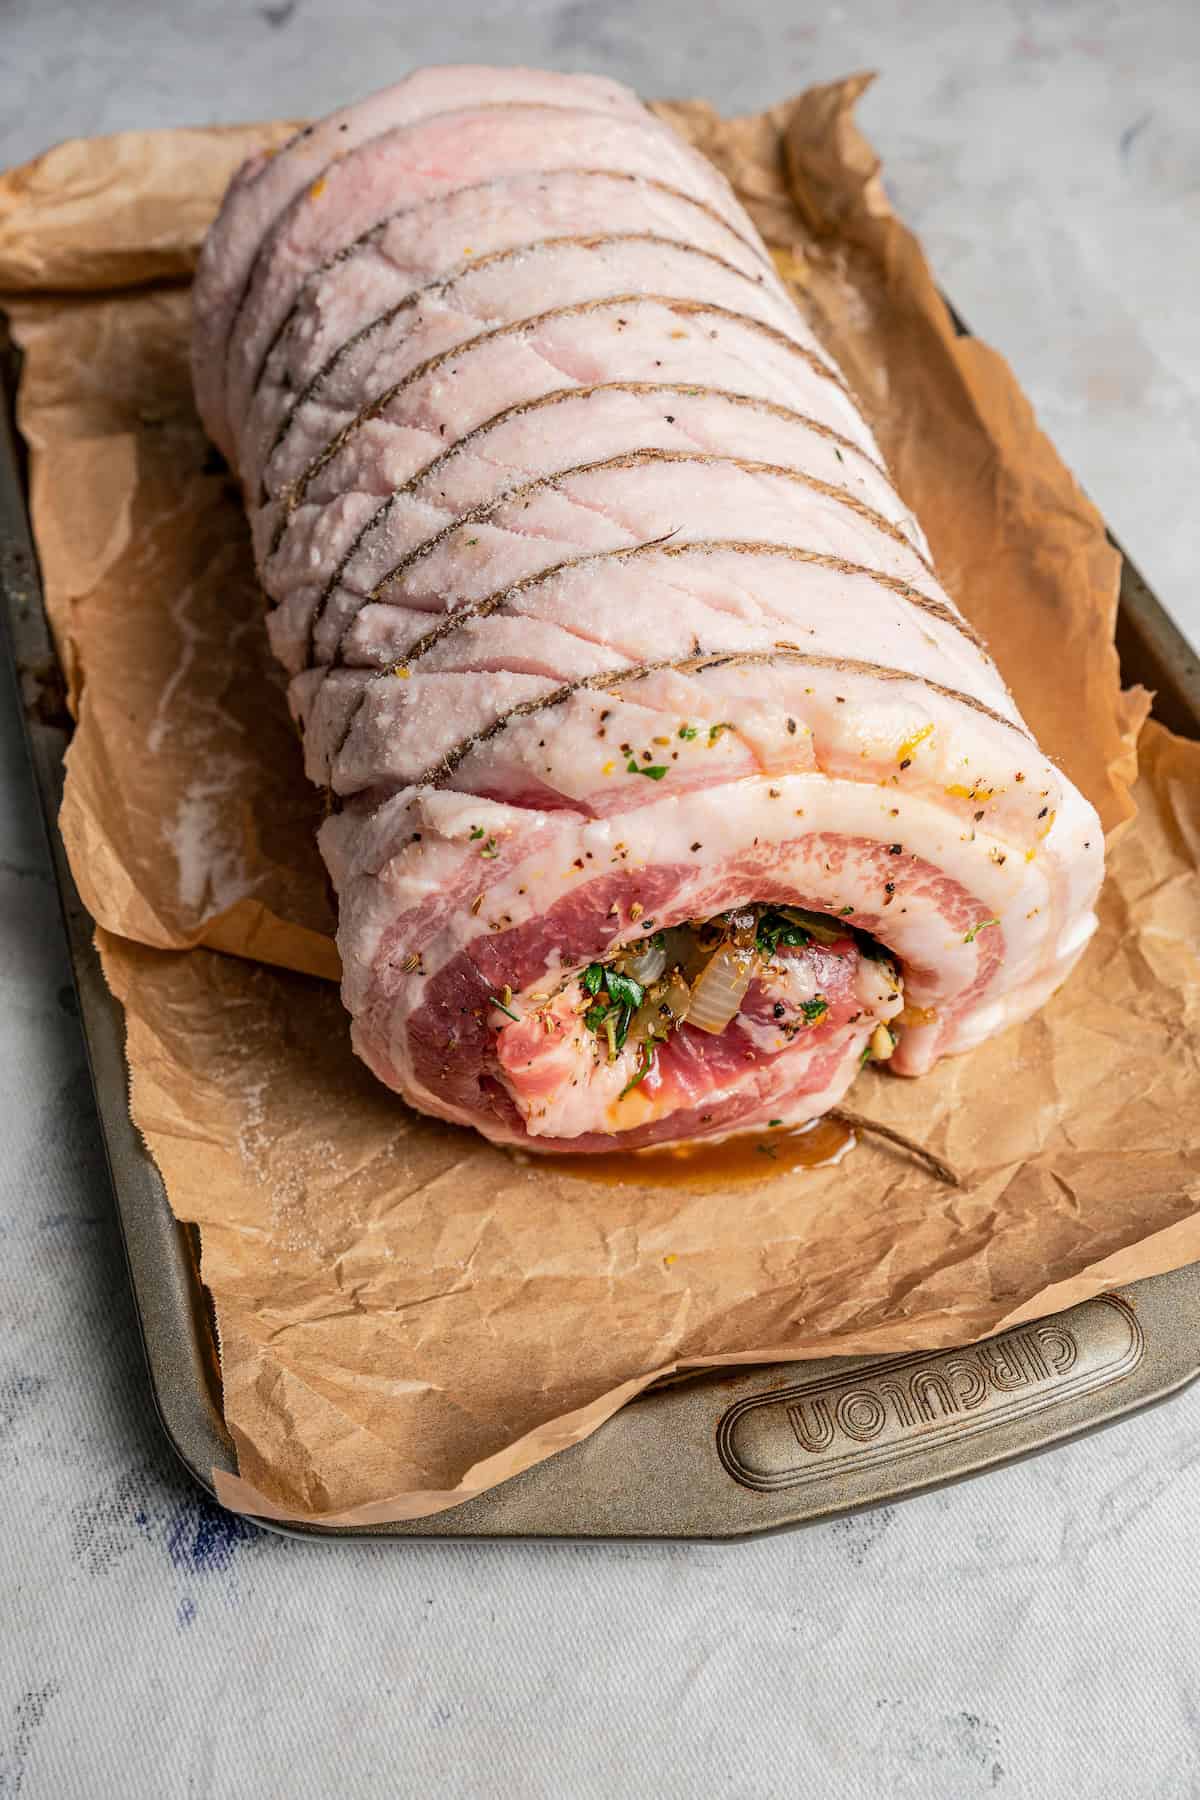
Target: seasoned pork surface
point(668, 782)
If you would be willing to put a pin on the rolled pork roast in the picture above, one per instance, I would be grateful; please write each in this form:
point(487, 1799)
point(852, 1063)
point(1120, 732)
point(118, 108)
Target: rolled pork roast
point(667, 784)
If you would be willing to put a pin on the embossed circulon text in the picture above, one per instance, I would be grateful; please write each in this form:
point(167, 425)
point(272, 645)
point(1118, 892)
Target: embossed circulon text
point(877, 1411)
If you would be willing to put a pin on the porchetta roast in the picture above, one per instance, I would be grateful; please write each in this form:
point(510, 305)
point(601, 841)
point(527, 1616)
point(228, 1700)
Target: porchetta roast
point(667, 784)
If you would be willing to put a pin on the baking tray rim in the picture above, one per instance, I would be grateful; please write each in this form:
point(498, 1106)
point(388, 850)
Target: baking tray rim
point(174, 1316)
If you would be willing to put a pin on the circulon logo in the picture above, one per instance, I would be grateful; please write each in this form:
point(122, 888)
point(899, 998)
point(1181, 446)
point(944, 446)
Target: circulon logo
point(873, 1412)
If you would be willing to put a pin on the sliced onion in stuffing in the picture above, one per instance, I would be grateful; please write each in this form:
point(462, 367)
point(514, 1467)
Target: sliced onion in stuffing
point(661, 1011)
point(721, 988)
point(647, 965)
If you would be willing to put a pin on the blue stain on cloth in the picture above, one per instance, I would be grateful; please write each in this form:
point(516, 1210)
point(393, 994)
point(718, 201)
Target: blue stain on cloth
point(202, 1538)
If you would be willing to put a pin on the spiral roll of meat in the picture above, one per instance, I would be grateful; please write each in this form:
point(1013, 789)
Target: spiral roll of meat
point(602, 615)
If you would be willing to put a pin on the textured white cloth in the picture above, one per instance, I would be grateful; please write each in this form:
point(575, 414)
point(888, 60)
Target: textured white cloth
point(1034, 1632)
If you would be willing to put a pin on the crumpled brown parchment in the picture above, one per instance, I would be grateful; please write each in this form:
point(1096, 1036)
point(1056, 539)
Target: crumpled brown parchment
point(408, 1316)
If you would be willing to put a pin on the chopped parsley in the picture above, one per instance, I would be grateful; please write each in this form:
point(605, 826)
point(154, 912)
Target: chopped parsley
point(624, 990)
point(814, 1010)
point(476, 832)
point(714, 731)
point(615, 999)
point(774, 929)
point(647, 1057)
point(970, 936)
point(654, 772)
point(688, 732)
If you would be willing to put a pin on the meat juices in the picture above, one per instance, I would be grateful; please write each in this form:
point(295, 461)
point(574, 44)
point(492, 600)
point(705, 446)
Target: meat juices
point(608, 633)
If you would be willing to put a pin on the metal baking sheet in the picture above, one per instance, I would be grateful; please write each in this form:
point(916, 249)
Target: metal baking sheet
point(717, 1457)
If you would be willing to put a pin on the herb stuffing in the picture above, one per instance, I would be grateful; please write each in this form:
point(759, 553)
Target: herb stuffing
point(699, 974)
point(615, 999)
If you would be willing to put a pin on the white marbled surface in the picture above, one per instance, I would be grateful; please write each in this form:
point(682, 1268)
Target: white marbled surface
point(1032, 1633)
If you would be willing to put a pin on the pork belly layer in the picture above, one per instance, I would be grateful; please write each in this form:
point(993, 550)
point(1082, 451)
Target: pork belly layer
point(668, 784)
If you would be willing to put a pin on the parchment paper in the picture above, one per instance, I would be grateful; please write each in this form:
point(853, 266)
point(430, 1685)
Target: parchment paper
point(407, 1315)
